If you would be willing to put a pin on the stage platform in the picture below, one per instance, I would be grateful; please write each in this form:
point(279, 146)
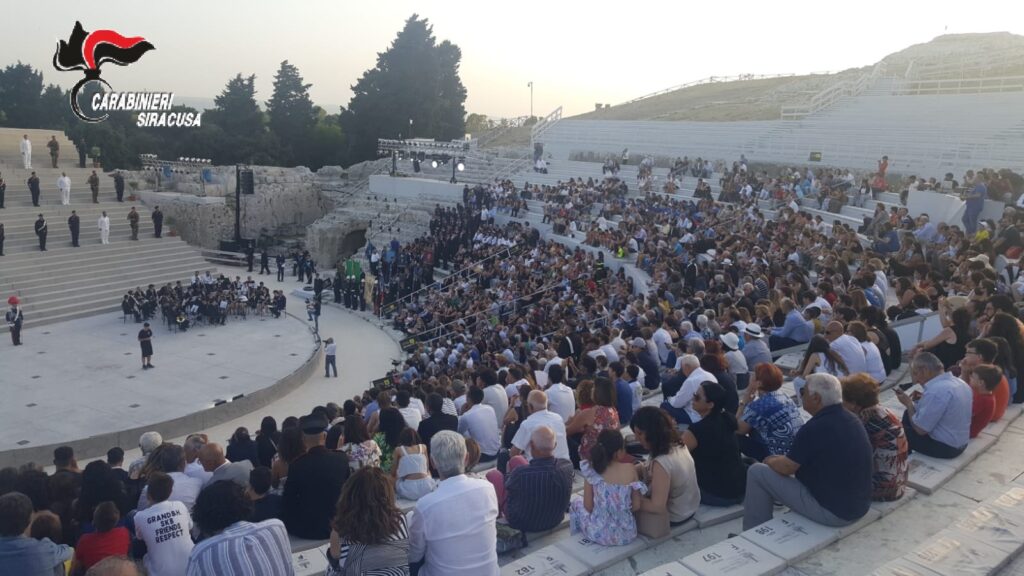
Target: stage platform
point(81, 382)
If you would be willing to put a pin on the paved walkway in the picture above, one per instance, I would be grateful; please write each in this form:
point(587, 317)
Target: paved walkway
point(81, 378)
point(365, 353)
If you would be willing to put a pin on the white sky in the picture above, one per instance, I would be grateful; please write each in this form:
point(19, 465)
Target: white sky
point(576, 53)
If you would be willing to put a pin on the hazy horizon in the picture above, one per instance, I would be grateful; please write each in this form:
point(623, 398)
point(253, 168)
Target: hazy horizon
point(575, 56)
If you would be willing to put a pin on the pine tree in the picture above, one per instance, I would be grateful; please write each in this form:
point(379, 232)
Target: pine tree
point(290, 112)
point(415, 79)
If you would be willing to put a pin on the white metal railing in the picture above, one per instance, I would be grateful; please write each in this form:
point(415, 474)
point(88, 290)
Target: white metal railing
point(915, 87)
point(544, 124)
point(833, 94)
point(500, 130)
point(707, 80)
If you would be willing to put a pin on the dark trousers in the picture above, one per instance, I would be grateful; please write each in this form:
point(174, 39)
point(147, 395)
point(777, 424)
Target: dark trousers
point(16, 334)
point(158, 229)
point(264, 269)
point(53, 158)
point(135, 231)
point(120, 194)
point(95, 194)
point(778, 343)
point(329, 362)
point(3, 192)
point(280, 274)
point(679, 414)
point(35, 198)
point(74, 237)
point(752, 446)
point(42, 241)
point(926, 444)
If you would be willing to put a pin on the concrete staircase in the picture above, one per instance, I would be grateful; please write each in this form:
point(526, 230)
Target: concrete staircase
point(64, 282)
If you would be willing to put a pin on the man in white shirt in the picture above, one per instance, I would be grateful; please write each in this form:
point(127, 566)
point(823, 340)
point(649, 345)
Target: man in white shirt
point(537, 403)
point(26, 152)
point(515, 379)
point(164, 526)
point(477, 422)
point(453, 528)
point(561, 399)
point(682, 402)
point(494, 395)
point(663, 340)
point(64, 186)
point(412, 415)
point(846, 346)
point(171, 461)
point(104, 226)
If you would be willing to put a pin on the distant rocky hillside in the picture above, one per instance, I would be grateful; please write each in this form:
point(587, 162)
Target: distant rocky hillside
point(986, 55)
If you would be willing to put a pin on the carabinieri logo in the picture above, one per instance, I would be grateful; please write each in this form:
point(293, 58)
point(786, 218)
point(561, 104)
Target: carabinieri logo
point(87, 51)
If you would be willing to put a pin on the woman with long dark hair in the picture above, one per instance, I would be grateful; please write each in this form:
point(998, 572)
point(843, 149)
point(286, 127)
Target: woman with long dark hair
point(821, 358)
point(368, 533)
point(389, 436)
point(721, 474)
point(1010, 328)
point(267, 440)
point(669, 472)
point(950, 344)
point(290, 448)
point(242, 447)
point(99, 484)
point(360, 447)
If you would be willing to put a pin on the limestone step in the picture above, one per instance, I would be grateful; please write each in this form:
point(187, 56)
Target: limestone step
point(62, 255)
point(124, 269)
point(104, 281)
point(88, 224)
point(63, 240)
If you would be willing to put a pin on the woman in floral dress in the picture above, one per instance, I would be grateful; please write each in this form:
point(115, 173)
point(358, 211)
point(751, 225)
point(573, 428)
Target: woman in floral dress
point(611, 495)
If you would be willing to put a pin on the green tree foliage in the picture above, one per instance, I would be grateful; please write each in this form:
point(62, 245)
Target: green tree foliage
point(290, 113)
point(238, 128)
point(20, 88)
point(477, 124)
point(291, 132)
point(415, 79)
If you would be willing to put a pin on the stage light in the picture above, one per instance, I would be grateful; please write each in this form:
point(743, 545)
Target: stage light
point(461, 166)
point(433, 163)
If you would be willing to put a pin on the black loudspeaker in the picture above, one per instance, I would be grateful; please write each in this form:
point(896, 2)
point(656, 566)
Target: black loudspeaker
point(247, 183)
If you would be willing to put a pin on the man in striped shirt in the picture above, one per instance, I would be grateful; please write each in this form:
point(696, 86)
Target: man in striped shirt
point(537, 495)
point(234, 547)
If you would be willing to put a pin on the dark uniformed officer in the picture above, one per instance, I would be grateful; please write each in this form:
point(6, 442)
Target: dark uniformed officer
point(74, 226)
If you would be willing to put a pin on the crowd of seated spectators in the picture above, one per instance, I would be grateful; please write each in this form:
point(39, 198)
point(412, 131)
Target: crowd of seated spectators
point(537, 361)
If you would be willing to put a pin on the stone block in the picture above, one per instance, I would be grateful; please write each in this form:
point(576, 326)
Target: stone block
point(674, 531)
point(310, 562)
point(928, 475)
point(997, 527)
point(886, 507)
point(997, 428)
point(1011, 500)
point(710, 515)
point(791, 536)
point(1012, 412)
point(868, 518)
point(951, 553)
point(734, 557)
point(596, 556)
point(902, 567)
point(547, 562)
point(670, 569)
